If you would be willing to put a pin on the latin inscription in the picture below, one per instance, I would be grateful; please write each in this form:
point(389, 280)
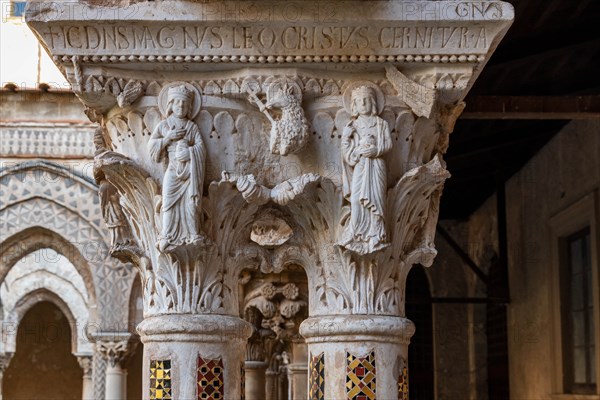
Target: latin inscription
point(241, 39)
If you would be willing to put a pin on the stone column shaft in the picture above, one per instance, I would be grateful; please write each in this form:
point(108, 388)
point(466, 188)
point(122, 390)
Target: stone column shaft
point(194, 353)
point(116, 348)
point(357, 355)
point(256, 380)
point(297, 375)
point(86, 362)
point(315, 142)
point(116, 383)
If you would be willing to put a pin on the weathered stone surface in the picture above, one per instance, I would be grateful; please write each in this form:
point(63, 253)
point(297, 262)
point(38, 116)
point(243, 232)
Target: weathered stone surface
point(332, 117)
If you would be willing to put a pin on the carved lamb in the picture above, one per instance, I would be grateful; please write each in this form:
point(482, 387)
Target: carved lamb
point(289, 133)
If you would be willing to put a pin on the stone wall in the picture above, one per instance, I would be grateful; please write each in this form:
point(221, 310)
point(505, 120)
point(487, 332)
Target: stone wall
point(459, 328)
point(563, 172)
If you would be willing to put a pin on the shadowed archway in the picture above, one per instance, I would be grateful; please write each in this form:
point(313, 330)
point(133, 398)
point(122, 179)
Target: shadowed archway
point(43, 366)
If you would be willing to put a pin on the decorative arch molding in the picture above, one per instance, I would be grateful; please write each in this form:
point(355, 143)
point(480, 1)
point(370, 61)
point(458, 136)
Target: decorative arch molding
point(111, 280)
point(64, 200)
point(52, 291)
point(56, 183)
point(22, 244)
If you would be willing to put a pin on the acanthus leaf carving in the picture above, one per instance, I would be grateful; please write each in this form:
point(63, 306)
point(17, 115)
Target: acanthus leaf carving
point(275, 311)
point(344, 277)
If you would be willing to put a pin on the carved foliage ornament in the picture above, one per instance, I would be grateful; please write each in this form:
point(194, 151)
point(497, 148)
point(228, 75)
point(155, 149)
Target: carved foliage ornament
point(363, 274)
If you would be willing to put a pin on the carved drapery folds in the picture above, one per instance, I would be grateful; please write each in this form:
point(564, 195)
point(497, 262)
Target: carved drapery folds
point(177, 141)
point(365, 139)
point(357, 233)
point(229, 149)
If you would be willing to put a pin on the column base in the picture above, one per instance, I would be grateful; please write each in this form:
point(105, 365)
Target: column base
point(190, 354)
point(356, 355)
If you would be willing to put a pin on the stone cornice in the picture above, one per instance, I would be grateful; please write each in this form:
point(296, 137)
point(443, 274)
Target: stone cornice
point(268, 32)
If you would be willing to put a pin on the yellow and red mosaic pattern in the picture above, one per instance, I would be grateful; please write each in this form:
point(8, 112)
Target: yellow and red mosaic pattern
point(317, 377)
point(360, 377)
point(160, 380)
point(210, 379)
point(403, 381)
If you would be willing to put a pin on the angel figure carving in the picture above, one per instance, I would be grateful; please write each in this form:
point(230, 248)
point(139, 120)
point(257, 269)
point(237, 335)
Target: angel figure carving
point(177, 140)
point(365, 139)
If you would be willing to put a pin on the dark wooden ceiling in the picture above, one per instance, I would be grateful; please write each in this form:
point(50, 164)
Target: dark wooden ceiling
point(553, 48)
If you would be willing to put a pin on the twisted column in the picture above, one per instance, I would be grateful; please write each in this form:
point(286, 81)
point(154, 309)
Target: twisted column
point(116, 349)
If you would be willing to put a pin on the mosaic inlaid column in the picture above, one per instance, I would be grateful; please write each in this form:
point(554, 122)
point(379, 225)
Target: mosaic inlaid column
point(86, 362)
point(263, 137)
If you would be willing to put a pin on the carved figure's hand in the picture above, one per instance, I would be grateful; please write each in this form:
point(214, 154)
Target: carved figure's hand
point(370, 151)
point(348, 130)
point(175, 135)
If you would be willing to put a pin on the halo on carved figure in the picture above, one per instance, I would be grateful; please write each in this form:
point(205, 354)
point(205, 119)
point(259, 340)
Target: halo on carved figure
point(163, 98)
point(277, 84)
point(347, 98)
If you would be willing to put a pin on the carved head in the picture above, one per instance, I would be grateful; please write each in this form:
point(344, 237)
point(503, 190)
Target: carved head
point(180, 102)
point(363, 101)
point(283, 93)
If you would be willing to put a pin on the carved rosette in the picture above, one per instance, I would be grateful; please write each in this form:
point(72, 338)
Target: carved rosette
point(275, 311)
point(274, 133)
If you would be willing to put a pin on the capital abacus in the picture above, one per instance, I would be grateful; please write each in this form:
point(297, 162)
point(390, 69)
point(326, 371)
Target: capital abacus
point(259, 38)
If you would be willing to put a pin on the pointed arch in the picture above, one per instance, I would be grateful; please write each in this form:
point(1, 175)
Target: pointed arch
point(54, 292)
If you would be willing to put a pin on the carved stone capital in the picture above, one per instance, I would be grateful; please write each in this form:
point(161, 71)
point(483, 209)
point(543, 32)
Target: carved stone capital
point(86, 362)
point(275, 310)
point(331, 136)
point(116, 348)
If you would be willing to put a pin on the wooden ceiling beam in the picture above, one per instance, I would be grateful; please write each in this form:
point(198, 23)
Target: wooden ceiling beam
point(533, 107)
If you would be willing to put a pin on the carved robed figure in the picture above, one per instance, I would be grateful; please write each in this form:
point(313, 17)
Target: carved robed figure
point(177, 139)
point(366, 138)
